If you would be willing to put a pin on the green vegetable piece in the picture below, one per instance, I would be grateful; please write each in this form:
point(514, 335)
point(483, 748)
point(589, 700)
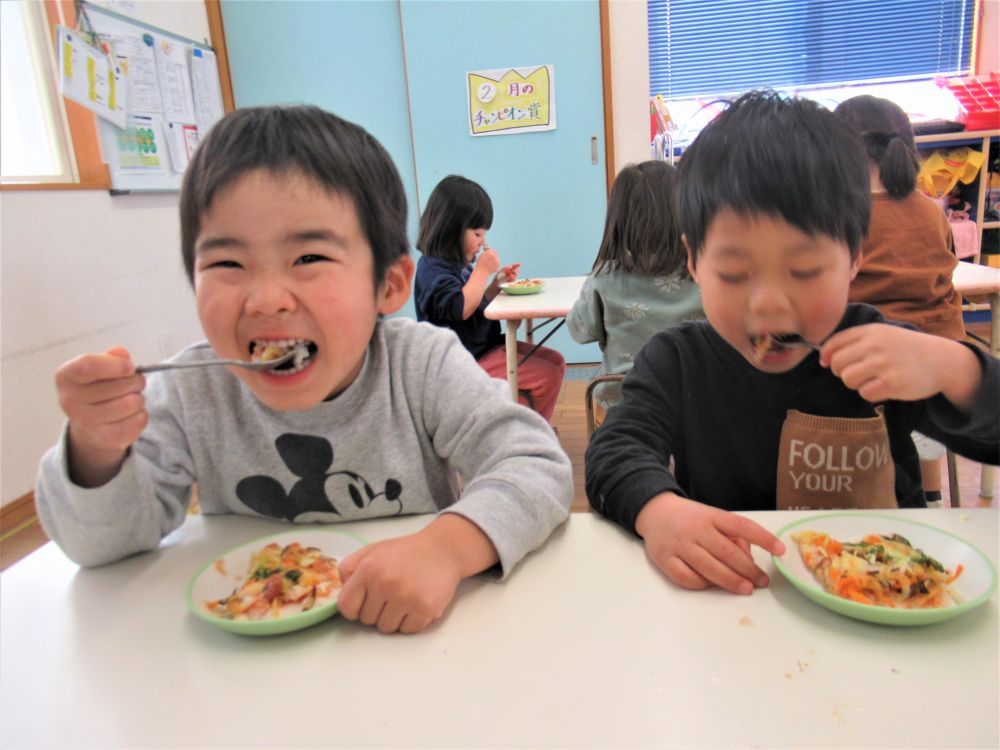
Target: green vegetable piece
point(261, 573)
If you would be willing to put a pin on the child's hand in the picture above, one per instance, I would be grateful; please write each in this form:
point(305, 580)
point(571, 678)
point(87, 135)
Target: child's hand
point(508, 274)
point(489, 261)
point(102, 396)
point(882, 362)
point(407, 583)
point(697, 546)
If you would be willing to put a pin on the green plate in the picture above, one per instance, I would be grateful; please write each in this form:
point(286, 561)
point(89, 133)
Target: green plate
point(220, 576)
point(511, 289)
point(975, 586)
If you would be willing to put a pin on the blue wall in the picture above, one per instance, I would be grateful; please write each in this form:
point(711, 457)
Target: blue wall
point(348, 57)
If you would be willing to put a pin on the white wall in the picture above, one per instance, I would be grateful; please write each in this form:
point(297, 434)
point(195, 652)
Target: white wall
point(83, 271)
point(989, 55)
point(629, 81)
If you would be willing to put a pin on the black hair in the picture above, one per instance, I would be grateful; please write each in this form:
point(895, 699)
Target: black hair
point(888, 137)
point(339, 155)
point(640, 230)
point(455, 204)
point(768, 155)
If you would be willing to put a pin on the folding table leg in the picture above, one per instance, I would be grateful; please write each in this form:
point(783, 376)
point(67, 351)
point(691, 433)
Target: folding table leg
point(512, 356)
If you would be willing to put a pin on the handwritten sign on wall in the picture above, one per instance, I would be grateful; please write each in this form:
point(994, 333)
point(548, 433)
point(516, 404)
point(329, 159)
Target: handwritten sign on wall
point(511, 100)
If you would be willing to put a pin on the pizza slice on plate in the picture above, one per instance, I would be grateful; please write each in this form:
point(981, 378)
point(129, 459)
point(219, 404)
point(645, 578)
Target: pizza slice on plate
point(882, 570)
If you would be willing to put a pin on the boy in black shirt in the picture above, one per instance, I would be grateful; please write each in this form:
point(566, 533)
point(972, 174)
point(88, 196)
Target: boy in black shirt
point(773, 204)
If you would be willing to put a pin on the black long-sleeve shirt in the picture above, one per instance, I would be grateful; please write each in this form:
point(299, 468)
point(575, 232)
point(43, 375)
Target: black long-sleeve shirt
point(691, 396)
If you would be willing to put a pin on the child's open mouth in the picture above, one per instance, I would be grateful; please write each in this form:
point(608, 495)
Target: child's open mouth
point(262, 350)
point(766, 343)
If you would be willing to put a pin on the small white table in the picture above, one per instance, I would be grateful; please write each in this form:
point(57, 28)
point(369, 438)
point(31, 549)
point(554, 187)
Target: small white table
point(585, 645)
point(553, 303)
point(974, 280)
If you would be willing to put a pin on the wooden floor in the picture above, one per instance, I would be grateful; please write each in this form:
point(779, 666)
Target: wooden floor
point(21, 533)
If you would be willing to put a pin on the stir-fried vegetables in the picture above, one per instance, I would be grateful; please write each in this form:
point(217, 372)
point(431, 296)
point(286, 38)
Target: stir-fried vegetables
point(882, 569)
point(280, 581)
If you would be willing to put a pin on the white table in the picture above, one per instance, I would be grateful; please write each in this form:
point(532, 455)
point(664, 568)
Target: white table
point(585, 645)
point(554, 302)
point(974, 280)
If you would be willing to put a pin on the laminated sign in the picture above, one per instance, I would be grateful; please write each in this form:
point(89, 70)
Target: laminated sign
point(511, 100)
point(89, 77)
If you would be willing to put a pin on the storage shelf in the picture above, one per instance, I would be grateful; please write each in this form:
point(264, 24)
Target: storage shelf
point(976, 138)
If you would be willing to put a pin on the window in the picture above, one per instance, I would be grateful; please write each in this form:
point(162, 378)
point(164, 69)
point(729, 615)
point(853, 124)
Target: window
point(701, 51)
point(44, 142)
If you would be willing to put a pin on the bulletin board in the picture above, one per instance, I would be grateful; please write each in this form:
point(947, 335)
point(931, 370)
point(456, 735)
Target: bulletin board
point(173, 96)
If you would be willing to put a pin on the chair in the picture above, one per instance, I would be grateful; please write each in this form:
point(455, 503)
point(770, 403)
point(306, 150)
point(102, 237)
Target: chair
point(593, 418)
point(954, 494)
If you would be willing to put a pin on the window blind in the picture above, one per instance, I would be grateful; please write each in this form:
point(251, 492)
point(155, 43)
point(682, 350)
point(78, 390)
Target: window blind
point(714, 47)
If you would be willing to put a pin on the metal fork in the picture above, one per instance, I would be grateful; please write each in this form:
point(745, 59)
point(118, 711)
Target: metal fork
point(794, 339)
point(258, 365)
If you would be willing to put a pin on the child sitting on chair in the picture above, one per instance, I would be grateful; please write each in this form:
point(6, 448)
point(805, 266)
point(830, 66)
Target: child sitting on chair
point(773, 206)
point(293, 233)
point(453, 287)
point(908, 255)
point(639, 283)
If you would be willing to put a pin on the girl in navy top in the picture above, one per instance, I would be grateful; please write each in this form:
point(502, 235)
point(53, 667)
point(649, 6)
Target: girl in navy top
point(455, 282)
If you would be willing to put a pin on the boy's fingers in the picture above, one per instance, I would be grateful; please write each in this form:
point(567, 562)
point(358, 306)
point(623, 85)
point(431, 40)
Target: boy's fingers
point(414, 624)
point(684, 575)
point(350, 563)
point(351, 599)
point(90, 368)
point(372, 609)
point(719, 572)
point(733, 525)
point(81, 407)
point(743, 544)
point(739, 560)
point(391, 618)
point(837, 343)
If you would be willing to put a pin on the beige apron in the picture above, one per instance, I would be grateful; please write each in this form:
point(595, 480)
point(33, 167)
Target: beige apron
point(835, 462)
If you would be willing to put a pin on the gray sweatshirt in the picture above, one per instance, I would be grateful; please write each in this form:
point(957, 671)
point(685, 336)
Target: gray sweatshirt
point(421, 421)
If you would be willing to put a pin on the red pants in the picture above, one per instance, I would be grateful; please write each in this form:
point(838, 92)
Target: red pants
point(538, 380)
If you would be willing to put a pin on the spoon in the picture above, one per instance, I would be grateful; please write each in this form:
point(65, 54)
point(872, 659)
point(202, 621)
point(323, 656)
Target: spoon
point(266, 364)
point(793, 339)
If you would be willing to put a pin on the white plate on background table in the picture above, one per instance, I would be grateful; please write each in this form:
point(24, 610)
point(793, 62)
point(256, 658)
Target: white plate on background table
point(973, 587)
point(221, 575)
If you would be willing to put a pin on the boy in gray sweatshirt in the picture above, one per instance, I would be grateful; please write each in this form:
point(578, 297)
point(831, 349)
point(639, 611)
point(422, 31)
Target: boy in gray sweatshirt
point(293, 225)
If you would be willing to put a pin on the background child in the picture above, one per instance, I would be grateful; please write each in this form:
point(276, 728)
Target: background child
point(293, 226)
point(639, 283)
point(773, 205)
point(452, 291)
point(908, 256)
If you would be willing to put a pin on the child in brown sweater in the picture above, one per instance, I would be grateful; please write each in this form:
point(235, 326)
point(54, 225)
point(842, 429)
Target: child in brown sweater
point(908, 256)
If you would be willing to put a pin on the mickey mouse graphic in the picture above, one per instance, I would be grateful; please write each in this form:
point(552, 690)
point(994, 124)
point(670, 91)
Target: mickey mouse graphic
point(319, 493)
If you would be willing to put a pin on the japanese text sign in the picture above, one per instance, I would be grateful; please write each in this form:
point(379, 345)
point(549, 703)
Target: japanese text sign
point(511, 100)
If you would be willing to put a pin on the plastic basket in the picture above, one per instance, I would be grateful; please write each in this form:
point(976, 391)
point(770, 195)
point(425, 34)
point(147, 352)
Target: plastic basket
point(980, 102)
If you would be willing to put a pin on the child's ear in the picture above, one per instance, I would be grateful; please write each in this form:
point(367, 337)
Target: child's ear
point(396, 287)
point(855, 265)
point(690, 255)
